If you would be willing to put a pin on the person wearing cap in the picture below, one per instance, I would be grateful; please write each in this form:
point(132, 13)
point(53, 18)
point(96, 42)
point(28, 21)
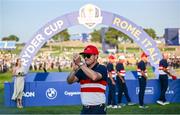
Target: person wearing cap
point(92, 77)
point(18, 74)
point(163, 79)
point(121, 84)
point(111, 83)
point(142, 77)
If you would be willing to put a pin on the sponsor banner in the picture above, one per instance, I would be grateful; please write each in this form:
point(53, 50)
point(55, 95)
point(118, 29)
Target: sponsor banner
point(148, 90)
point(45, 94)
point(29, 94)
point(71, 93)
point(61, 93)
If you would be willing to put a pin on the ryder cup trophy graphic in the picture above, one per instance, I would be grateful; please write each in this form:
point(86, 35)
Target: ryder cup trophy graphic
point(90, 16)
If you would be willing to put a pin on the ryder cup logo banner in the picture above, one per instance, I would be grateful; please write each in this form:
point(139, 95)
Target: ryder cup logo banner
point(51, 93)
point(90, 16)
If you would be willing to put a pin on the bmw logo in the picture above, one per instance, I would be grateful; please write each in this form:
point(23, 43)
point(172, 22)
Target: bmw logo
point(51, 93)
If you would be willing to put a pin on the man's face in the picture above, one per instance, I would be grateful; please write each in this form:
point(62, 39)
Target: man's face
point(165, 56)
point(145, 59)
point(89, 58)
point(121, 60)
point(110, 60)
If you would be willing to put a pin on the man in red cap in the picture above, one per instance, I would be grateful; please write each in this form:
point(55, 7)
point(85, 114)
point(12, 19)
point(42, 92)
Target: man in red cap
point(142, 76)
point(111, 83)
point(92, 77)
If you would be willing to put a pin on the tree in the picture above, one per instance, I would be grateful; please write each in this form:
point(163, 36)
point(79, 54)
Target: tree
point(62, 36)
point(112, 36)
point(113, 33)
point(151, 32)
point(5, 39)
point(96, 36)
point(13, 38)
point(10, 38)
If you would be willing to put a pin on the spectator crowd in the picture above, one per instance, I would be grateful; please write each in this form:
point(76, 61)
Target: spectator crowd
point(48, 62)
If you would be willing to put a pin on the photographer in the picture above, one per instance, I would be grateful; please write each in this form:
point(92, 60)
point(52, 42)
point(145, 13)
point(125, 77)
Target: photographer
point(18, 83)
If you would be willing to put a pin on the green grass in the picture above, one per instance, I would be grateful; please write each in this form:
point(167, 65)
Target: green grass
point(153, 109)
point(173, 108)
point(132, 50)
point(4, 77)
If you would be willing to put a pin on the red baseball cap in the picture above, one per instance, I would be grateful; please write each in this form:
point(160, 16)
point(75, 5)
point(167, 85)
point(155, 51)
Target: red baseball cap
point(90, 49)
point(144, 55)
point(111, 57)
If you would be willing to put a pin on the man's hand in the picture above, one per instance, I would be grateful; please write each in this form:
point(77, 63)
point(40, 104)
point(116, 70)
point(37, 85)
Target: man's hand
point(76, 59)
point(123, 81)
point(145, 77)
point(144, 74)
point(113, 82)
point(174, 77)
point(166, 71)
point(74, 66)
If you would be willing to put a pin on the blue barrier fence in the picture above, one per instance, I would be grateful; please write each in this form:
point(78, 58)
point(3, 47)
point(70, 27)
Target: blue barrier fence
point(51, 89)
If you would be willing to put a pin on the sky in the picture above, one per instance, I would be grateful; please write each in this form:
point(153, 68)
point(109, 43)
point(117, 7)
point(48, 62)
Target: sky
point(24, 17)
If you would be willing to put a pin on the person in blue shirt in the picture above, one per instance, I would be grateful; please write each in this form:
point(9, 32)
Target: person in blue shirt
point(111, 83)
point(92, 77)
point(121, 83)
point(142, 77)
point(163, 79)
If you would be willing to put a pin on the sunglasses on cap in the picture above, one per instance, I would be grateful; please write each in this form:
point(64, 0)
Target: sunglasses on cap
point(86, 55)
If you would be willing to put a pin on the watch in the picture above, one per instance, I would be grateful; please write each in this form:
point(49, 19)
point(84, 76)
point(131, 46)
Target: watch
point(80, 64)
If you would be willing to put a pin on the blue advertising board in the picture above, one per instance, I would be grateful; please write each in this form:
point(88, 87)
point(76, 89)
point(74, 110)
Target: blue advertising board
point(51, 89)
point(7, 45)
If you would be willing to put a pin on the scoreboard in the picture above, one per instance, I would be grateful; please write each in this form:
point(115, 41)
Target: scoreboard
point(172, 36)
